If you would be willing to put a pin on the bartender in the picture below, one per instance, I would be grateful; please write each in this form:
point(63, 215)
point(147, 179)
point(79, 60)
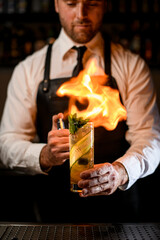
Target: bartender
point(29, 137)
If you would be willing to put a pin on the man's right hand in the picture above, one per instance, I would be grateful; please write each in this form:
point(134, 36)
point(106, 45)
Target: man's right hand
point(56, 152)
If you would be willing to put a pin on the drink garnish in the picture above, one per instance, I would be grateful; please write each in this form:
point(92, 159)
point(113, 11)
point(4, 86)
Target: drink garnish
point(80, 148)
point(76, 122)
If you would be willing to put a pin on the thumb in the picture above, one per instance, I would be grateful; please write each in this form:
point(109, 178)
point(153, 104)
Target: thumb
point(55, 120)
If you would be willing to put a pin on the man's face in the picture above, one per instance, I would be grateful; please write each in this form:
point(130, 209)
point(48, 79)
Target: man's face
point(81, 19)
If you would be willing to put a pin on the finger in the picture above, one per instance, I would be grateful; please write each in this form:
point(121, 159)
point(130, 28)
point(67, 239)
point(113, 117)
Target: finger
point(60, 158)
point(95, 190)
point(58, 146)
point(59, 135)
point(64, 148)
point(88, 173)
point(94, 181)
point(83, 183)
point(63, 156)
point(59, 149)
point(99, 170)
point(58, 140)
point(55, 120)
point(104, 193)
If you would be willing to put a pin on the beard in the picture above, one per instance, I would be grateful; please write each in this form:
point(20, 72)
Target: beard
point(80, 31)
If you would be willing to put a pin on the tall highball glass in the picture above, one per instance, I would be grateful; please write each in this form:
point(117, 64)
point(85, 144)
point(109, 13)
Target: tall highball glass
point(81, 153)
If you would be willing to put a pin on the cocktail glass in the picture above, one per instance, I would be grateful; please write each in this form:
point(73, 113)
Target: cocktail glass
point(81, 153)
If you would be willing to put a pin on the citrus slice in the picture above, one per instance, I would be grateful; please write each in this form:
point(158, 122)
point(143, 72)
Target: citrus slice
point(80, 148)
point(79, 166)
point(75, 172)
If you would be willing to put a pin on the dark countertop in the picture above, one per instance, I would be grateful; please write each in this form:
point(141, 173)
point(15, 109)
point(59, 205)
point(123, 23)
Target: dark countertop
point(108, 231)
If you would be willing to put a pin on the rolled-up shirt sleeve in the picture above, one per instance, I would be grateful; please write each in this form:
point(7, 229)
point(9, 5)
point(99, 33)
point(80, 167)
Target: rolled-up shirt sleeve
point(143, 156)
point(17, 131)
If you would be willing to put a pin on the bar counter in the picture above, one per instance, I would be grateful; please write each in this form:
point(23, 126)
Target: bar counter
point(108, 231)
point(19, 219)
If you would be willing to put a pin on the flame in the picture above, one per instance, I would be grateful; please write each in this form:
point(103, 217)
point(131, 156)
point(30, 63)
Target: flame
point(103, 103)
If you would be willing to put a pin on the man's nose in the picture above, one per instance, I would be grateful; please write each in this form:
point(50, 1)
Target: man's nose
point(81, 10)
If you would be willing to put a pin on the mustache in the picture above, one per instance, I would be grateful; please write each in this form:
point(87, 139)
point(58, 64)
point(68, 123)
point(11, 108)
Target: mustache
point(82, 22)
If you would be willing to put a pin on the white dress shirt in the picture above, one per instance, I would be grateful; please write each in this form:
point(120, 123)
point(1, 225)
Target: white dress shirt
point(18, 147)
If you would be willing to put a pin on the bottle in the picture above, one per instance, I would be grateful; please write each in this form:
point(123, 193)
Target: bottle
point(1, 6)
point(28, 42)
point(50, 36)
point(145, 6)
point(14, 49)
point(22, 6)
point(36, 6)
point(135, 42)
point(11, 6)
point(40, 38)
point(109, 6)
point(135, 45)
point(21, 40)
point(6, 33)
point(45, 6)
point(133, 6)
point(148, 50)
point(156, 6)
point(155, 44)
point(1, 45)
point(115, 6)
point(147, 41)
point(122, 6)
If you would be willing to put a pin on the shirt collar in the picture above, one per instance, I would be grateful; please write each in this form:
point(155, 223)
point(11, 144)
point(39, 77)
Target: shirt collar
point(96, 45)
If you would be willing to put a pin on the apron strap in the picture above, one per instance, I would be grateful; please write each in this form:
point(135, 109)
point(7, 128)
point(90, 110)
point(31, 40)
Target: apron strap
point(47, 68)
point(107, 53)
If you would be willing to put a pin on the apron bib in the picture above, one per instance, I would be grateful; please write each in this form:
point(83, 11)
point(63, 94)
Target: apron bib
point(59, 204)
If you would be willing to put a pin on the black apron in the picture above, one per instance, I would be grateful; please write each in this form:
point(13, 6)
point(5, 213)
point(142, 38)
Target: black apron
point(59, 204)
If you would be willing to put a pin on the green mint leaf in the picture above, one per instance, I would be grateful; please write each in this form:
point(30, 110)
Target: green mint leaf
point(75, 123)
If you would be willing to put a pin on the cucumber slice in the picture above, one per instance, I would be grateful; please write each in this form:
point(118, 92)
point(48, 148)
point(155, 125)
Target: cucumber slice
point(80, 148)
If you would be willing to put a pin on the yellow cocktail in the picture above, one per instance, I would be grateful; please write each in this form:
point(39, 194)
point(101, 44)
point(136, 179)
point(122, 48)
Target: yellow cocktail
point(81, 153)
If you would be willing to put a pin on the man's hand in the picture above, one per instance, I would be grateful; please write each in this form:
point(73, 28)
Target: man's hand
point(103, 179)
point(56, 152)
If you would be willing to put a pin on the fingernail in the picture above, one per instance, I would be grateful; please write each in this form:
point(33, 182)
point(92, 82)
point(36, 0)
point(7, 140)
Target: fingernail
point(85, 191)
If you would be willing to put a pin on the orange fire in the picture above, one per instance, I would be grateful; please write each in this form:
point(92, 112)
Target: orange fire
point(103, 103)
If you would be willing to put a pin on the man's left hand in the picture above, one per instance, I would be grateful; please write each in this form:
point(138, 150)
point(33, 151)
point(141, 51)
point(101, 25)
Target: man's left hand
point(103, 179)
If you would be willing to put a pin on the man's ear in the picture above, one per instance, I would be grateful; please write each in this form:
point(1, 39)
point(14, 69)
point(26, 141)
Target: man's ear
point(56, 6)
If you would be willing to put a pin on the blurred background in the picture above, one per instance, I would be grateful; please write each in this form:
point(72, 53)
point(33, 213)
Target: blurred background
point(27, 25)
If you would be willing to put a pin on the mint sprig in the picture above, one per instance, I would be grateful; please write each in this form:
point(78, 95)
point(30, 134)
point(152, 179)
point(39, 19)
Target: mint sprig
point(75, 123)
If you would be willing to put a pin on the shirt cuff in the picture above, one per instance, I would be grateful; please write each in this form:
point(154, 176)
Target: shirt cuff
point(32, 158)
point(132, 165)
